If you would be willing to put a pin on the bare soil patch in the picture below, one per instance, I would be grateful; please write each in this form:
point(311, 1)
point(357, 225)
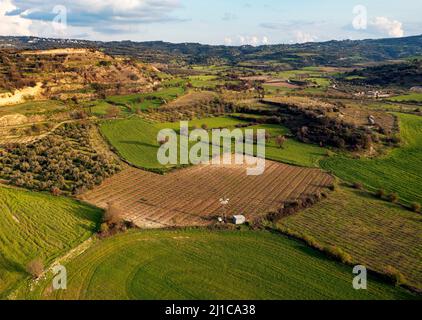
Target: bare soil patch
point(190, 197)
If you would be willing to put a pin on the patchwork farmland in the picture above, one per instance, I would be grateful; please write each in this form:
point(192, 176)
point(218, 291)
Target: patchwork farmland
point(190, 197)
point(81, 185)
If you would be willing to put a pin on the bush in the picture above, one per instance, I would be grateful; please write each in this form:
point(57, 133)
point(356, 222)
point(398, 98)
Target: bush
point(396, 276)
point(338, 253)
point(55, 191)
point(35, 268)
point(393, 197)
point(380, 193)
point(104, 228)
point(358, 185)
point(311, 241)
point(416, 207)
point(112, 215)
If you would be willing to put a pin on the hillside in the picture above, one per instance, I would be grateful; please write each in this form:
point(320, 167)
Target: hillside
point(68, 73)
point(405, 75)
point(332, 53)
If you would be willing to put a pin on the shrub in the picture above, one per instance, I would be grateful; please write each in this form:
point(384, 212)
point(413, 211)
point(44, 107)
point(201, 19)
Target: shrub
point(393, 197)
point(329, 154)
point(112, 215)
point(396, 276)
point(311, 241)
point(35, 268)
point(380, 193)
point(416, 207)
point(358, 185)
point(280, 140)
point(55, 191)
point(338, 253)
point(104, 228)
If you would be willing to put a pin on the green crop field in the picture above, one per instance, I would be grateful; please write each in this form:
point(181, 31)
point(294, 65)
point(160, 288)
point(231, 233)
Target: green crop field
point(34, 107)
point(205, 81)
point(136, 141)
point(413, 97)
point(293, 151)
point(374, 232)
point(200, 264)
point(99, 108)
point(142, 101)
point(400, 171)
point(36, 225)
point(322, 82)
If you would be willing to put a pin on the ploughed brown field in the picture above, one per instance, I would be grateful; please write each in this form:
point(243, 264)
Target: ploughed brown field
point(190, 197)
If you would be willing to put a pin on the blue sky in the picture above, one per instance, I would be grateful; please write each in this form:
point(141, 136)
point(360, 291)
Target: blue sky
point(230, 22)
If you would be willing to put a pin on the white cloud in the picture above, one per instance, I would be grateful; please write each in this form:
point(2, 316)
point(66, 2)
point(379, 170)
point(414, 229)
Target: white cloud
point(12, 25)
point(251, 40)
point(228, 41)
point(392, 28)
point(303, 37)
point(107, 17)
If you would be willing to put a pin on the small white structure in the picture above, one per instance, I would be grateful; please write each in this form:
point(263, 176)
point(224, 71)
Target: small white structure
point(371, 120)
point(239, 219)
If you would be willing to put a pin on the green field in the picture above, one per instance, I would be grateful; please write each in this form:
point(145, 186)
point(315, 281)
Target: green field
point(205, 81)
point(269, 89)
point(34, 107)
point(200, 264)
point(136, 141)
point(99, 108)
point(36, 225)
point(374, 232)
point(322, 82)
point(413, 97)
point(142, 101)
point(293, 151)
point(400, 171)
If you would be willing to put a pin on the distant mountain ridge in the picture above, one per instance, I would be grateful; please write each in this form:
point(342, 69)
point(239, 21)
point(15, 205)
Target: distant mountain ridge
point(331, 53)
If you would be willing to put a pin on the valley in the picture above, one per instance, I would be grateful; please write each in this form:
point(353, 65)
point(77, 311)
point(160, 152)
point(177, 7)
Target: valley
point(342, 183)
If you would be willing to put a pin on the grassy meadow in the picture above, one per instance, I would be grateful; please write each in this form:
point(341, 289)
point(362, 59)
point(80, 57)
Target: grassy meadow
point(412, 97)
point(200, 264)
point(34, 107)
point(143, 101)
point(400, 171)
point(375, 233)
point(36, 225)
point(135, 140)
